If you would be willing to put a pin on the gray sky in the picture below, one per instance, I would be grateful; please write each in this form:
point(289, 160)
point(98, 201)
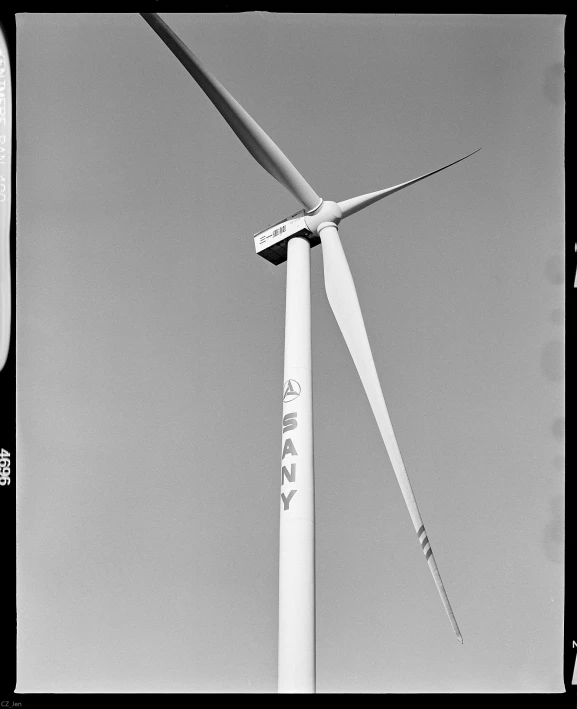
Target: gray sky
point(150, 352)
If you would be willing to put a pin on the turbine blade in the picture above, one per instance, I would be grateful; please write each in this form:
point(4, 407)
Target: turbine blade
point(343, 300)
point(252, 136)
point(355, 204)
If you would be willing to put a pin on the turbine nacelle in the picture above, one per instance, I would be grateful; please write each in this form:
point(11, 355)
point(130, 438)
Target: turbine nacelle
point(272, 243)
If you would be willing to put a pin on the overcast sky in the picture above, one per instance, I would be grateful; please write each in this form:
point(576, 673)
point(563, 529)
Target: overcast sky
point(150, 352)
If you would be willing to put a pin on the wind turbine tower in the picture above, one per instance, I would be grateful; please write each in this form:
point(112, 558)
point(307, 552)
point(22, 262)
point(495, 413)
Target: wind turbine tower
point(291, 240)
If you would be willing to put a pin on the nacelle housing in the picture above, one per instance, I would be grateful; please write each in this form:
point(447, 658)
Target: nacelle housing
point(271, 243)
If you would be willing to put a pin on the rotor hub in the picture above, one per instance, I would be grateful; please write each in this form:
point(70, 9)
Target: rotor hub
point(326, 212)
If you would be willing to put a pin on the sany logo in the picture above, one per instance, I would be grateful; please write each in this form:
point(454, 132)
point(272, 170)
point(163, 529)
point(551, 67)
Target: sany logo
point(291, 390)
point(289, 423)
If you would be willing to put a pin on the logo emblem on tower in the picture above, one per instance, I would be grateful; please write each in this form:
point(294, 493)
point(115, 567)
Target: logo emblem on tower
point(291, 390)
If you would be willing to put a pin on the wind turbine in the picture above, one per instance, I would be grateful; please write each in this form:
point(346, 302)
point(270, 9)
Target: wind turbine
point(291, 240)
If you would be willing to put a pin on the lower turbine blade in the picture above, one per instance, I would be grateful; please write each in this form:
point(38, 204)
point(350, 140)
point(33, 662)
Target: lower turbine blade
point(344, 302)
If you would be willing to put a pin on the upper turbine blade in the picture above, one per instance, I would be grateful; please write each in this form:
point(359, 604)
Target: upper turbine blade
point(350, 206)
point(343, 299)
point(255, 140)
